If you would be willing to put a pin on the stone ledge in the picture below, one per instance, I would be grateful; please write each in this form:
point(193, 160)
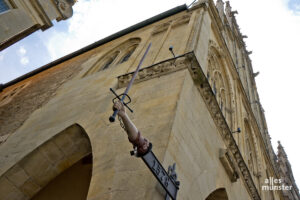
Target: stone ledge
point(156, 70)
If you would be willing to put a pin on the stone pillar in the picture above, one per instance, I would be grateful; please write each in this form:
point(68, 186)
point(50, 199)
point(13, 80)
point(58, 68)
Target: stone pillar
point(228, 13)
point(220, 8)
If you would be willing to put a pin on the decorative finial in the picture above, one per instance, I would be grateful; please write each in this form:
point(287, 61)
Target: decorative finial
point(228, 13)
point(220, 8)
point(228, 8)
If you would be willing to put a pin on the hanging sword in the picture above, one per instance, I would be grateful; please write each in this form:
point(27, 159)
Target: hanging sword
point(125, 94)
point(168, 180)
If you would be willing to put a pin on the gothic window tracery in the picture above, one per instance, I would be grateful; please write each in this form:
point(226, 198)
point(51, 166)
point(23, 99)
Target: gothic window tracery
point(250, 154)
point(117, 55)
point(109, 61)
point(128, 54)
point(216, 76)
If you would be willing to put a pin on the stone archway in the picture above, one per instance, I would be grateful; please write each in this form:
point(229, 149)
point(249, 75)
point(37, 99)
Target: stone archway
point(72, 184)
point(64, 153)
point(218, 194)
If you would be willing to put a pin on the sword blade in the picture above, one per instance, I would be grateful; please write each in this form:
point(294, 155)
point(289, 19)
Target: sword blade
point(136, 71)
point(112, 118)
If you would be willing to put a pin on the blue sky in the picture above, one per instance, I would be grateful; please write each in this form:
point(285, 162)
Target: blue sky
point(294, 5)
point(28, 54)
point(272, 27)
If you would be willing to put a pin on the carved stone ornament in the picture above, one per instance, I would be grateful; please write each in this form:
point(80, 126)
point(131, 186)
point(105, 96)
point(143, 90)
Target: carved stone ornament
point(65, 8)
point(228, 165)
point(190, 62)
point(156, 70)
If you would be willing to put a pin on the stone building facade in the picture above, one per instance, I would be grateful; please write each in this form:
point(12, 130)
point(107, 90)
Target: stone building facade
point(56, 140)
point(19, 18)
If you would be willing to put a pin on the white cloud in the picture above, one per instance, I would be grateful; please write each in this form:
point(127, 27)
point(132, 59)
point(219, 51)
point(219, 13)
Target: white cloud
point(22, 50)
point(24, 60)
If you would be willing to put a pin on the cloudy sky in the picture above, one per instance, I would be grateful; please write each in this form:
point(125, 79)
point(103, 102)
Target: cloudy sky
point(272, 27)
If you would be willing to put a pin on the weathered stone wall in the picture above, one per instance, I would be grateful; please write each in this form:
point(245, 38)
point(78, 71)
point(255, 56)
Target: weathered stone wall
point(179, 110)
point(36, 92)
point(194, 145)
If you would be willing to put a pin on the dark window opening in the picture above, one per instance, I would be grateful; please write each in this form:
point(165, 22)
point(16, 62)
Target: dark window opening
point(107, 64)
point(126, 57)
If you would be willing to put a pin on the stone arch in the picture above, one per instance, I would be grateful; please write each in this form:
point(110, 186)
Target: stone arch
point(114, 56)
point(217, 63)
point(256, 171)
point(252, 151)
point(218, 194)
point(127, 53)
point(34, 171)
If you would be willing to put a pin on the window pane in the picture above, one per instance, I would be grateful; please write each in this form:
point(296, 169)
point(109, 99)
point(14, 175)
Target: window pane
point(3, 6)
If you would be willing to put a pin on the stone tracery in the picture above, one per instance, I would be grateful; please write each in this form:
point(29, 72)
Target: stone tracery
point(117, 55)
point(218, 80)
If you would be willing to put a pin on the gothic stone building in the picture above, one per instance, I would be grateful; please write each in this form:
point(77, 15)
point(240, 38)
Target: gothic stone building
point(57, 142)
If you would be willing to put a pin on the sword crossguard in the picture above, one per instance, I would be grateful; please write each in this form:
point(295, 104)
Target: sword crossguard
point(119, 97)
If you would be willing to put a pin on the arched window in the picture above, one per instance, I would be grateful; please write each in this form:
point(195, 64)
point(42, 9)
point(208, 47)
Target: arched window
point(128, 54)
point(119, 54)
point(107, 63)
point(250, 153)
point(218, 80)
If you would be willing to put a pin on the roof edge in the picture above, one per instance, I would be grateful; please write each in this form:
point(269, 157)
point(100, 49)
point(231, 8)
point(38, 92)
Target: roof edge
point(114, 36)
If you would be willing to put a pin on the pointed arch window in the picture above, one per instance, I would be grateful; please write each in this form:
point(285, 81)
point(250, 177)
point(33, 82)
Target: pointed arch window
point(109, 61)
point(126, 57)
point(250, 149)
point(217, 76)
point(117, 55)
point(128, 54)
point(107, 64)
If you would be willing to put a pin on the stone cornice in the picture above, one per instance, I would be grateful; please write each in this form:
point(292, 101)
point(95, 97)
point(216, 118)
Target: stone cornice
point(190, 62)
point(155, 70)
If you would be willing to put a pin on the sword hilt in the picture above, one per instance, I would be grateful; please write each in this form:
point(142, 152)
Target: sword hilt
point(113, 117)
